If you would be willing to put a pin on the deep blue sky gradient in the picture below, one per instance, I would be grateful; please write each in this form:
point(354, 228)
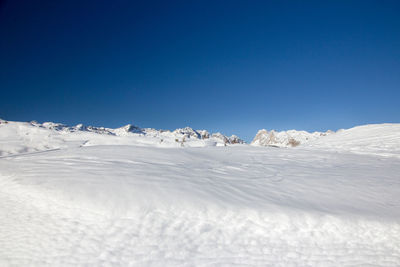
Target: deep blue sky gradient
point(228, 66)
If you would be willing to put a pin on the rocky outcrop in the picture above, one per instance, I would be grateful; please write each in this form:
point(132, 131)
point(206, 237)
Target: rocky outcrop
point(187, 132)
point(234, 139)
point(291, 138)
point(204, 134)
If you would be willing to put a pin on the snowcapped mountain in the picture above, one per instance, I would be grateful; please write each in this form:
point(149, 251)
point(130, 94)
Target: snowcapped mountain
point(22, 137)
point(291, 138)
point(376, 139)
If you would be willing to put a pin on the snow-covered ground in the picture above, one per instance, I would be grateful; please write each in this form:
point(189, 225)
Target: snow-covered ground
point(82, 198)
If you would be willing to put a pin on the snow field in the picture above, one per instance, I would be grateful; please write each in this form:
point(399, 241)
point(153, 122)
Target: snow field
point(214, 206)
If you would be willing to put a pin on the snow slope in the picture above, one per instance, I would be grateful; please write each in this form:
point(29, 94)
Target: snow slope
point(141, 205)
point(372, 139)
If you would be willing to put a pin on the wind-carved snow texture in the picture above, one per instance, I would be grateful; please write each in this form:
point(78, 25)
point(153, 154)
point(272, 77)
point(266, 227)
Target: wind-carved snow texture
point(142, 205)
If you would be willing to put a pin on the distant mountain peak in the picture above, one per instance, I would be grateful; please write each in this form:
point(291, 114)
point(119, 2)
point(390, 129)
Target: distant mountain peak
point(181, 135)
point(291, 138)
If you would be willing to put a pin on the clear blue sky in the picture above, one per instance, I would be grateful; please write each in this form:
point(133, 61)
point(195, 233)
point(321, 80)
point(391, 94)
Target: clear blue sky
point(228, 66)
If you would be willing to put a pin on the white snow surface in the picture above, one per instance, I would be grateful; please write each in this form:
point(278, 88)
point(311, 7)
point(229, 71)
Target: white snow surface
point(70, 197)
